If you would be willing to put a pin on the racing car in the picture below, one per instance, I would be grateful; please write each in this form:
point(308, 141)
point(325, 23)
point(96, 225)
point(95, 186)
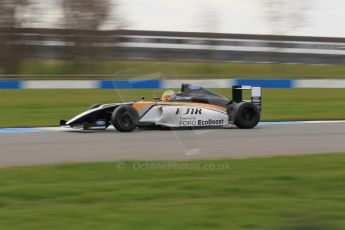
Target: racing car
point(193, 106)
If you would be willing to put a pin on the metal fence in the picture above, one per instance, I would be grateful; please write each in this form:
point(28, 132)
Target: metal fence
point(148, 45)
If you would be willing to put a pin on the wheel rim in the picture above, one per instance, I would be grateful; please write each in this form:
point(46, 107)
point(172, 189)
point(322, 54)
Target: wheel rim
point(248, 115)
point(126, 120)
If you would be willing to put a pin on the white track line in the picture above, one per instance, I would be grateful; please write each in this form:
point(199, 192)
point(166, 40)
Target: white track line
point(64, 129)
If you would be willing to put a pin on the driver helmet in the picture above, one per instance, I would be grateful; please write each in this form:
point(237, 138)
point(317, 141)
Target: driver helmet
point(168, 94)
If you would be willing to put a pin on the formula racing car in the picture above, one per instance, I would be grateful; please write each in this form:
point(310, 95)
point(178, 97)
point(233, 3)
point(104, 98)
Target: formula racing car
point(194, 106)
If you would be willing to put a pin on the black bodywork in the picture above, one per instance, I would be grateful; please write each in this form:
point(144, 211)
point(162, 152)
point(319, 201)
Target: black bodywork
point(195, 93)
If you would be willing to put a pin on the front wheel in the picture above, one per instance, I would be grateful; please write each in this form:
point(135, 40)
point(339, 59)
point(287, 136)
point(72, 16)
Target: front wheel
point(246, 115)
point(125, 118)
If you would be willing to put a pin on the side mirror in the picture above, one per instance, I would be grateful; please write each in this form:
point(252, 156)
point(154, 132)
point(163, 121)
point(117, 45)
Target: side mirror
point(142, 98)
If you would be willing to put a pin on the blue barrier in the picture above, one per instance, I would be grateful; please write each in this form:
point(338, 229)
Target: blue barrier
point(10, 84)
point(128, 84)
point(267, 83)
point(156, 84)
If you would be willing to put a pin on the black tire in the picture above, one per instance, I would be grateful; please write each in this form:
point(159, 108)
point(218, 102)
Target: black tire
point(246, 115)
point(94, 106)
point(125, 118)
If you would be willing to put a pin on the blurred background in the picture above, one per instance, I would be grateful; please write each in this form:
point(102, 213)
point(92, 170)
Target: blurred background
point(298, 44)
point(77, 39)
point(294, 49)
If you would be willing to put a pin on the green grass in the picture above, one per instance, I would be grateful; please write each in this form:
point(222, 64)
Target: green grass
point(27, 108)
point(179, 70)
point(291, 193)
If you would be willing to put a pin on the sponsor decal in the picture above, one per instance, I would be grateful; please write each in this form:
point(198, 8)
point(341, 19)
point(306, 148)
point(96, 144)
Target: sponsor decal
point(194, 86)
point(192, 111)
point(257, 101)
point(188, 123)
point(179, 98)
point(210, 122)
point(194, 122)
point(101, 122)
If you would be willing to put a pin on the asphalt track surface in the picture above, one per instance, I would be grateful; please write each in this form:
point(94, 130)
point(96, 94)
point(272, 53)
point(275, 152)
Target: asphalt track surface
point(56, 145)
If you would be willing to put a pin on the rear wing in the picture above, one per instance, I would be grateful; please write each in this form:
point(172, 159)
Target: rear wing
point(237, 94)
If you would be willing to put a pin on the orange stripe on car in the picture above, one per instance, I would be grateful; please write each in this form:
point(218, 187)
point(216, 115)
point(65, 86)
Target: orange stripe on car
point(141, 104)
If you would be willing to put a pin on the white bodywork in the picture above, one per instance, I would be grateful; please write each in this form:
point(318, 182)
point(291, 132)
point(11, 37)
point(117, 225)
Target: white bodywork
point(185, 116)
point(87, 112)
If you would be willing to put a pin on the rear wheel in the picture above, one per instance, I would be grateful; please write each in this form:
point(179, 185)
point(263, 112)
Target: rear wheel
point(125, 118)
point(246, 115)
